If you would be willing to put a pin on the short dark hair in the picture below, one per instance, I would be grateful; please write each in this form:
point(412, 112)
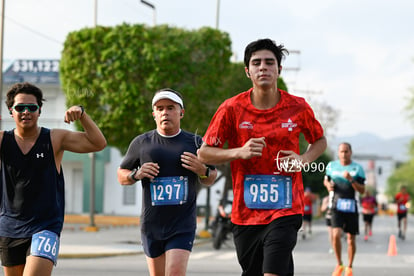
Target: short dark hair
point(25, 88)
point(265, 44)
point(347, 144)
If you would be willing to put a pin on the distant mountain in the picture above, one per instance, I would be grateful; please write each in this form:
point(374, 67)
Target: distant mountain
point(370, 144)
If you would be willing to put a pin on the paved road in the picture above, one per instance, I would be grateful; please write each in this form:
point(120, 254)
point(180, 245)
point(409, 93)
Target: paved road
point(311, 255)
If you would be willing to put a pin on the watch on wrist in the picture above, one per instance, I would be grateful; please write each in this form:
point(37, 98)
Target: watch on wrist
point(207, 174)
point(82, 109)
point(132, 175)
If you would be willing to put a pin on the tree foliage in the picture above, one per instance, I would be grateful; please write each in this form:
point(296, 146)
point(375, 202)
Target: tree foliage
point(402, 176)
point(314, 173)
point(115, 71)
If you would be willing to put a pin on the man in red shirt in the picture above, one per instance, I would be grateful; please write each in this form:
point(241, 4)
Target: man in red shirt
point(401, 199)
point(369, 208)
point(309, 199)
point(261, 127)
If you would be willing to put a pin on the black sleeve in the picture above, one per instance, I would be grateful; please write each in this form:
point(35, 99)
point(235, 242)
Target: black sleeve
point(131, 159)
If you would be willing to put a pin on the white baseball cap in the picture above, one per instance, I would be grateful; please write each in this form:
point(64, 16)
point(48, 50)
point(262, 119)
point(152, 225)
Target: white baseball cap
point(166, 94)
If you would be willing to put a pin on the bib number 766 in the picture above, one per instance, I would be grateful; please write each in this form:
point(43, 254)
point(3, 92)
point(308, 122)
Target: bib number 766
point(45, 244)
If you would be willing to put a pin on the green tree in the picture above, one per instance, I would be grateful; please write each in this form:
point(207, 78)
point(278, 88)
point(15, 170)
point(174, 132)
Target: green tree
point(114, 72)
point(402, 176)
point(314, 173)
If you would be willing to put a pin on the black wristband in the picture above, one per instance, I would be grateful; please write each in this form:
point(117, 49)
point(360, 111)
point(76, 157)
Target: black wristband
point(132, 175)
point(82, 108)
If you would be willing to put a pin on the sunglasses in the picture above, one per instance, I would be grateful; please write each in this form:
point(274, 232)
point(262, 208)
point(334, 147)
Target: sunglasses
point(29, 107)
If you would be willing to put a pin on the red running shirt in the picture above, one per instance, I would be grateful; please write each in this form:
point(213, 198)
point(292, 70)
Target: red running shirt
point(402, 200)
point(237, 120)
point(369, 203)
point(308, 201)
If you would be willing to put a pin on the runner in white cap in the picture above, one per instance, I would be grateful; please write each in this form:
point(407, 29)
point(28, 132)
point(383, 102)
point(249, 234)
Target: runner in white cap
point(165, 161)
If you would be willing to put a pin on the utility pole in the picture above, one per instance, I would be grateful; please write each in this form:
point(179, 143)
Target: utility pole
point(1, 51)
point(92, 226)
point(218, 14)
point(95, 13)
point(208, 196)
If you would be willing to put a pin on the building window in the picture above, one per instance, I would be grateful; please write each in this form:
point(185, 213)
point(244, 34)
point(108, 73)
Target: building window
point(129, 197)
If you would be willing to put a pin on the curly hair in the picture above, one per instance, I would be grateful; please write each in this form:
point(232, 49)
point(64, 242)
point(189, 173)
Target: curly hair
point(25, 88)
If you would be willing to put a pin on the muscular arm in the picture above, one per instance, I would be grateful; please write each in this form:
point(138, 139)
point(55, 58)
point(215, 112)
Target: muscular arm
point(90, 140)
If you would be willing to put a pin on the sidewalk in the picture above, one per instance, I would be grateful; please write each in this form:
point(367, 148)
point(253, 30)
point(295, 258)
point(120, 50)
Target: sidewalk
point(115, 235)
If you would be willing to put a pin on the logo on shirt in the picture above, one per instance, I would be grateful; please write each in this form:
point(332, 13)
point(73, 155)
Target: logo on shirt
point(246, 125)
point(289, 125)
point(38, 155)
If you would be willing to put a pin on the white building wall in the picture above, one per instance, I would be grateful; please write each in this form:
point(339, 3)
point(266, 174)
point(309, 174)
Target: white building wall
point(114, 193)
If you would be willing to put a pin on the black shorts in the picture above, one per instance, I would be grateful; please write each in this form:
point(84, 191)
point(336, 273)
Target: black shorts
point(155, 248)
point(400, 216)
point(368, 218)
point(14, 251)
point(258, 246)
point(307, 217)
point(349, 222)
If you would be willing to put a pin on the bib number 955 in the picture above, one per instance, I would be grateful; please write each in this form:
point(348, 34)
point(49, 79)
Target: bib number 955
point(268, 191)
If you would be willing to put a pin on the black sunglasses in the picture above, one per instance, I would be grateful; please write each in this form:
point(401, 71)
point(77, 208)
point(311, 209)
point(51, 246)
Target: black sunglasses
point(22, 107)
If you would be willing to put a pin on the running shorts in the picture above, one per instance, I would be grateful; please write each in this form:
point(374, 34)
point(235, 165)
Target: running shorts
point(349, 222)
point(155, 248)
point(258, 246)
point(14, 251)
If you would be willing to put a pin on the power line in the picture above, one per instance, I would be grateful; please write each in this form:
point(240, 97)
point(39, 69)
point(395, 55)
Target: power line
point(34, 31)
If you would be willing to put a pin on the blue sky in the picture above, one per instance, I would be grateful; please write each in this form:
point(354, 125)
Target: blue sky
point(355, 55)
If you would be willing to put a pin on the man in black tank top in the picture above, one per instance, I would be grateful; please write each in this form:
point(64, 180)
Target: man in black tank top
point(32, 183)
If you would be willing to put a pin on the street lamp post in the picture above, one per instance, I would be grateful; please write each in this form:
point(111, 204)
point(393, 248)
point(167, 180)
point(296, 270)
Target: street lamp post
point(153, 8)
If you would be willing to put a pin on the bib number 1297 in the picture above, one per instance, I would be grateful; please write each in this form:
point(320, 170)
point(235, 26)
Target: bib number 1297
point(169, 190)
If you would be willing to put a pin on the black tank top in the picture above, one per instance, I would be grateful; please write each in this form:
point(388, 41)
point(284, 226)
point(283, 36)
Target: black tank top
point(32, 190)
